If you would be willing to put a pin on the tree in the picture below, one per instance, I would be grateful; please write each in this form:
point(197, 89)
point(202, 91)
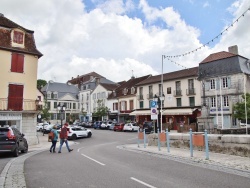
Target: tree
point(101, 110)
point(40, 83)
point(45, 111)
point(239, 108)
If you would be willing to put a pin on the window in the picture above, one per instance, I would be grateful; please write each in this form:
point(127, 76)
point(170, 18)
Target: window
point(190, 83)
point(18, 37)
point(55, 105)
point(123, 105)
point(212, 84)
point(103, 95)
point(169, 90)
point(141, 104)
point(225, 82)
point(48, 95)
point(98, 95)
point(115, 106)
point(15, 98)
point(225, 101)
point(17, 62)
point(191, 101)
point(132, 90)
point(178, 102)
point(213, 102)
point(150, 91)
point(74, 105)
point(131, 105)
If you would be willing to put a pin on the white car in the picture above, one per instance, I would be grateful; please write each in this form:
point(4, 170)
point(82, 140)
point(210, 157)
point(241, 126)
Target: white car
point(39, 127)
point(75, 132)
point(130, 127)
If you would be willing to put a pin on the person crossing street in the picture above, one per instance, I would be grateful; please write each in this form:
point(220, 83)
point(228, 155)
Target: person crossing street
point(64, 137)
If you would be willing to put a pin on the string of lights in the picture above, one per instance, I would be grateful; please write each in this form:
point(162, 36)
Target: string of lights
point(206, 44)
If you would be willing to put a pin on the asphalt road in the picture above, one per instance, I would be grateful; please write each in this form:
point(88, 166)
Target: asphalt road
point(97, 162)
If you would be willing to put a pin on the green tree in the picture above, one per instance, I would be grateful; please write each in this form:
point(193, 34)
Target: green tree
point(239, 108)
point(40, 83)
point(45, 111)
point(101, 110)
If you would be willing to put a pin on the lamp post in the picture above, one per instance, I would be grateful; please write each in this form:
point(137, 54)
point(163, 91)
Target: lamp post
point(61, 109)
point(159, 100)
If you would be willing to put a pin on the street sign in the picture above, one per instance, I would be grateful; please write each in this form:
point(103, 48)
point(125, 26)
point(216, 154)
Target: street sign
point(154, 113)
point(153, 104)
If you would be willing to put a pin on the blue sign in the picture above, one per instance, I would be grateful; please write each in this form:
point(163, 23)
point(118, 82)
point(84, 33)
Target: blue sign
point(153, 104)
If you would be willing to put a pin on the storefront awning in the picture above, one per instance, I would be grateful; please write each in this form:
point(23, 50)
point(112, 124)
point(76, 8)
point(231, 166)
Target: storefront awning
point(186, 111)
point(140, 112)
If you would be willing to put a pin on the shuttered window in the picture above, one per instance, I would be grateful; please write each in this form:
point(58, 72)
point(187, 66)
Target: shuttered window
point(15, 98)
point(17, 62)
point(18, 37)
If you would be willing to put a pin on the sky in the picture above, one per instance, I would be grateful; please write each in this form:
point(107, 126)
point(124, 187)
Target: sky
point(122, 38)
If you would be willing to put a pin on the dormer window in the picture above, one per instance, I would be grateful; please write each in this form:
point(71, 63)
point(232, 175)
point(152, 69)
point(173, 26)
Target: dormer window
point(125, 91)
point(132, 90)
point(17, 37)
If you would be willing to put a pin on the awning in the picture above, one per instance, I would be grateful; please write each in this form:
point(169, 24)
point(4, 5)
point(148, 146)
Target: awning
point(140, 112)
point(185, 111)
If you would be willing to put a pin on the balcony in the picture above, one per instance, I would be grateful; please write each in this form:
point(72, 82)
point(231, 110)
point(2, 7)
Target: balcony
point(178, 93)
point(18, 105)
point(190, 91)
point(139, 97)
point(150, 96)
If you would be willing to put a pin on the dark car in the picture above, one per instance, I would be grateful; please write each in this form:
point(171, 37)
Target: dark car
point(12, 141)
point(119, 127)
point(148, 126)
point(97, 124)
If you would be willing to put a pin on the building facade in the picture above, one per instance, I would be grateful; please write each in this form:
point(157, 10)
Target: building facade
point(18, 74)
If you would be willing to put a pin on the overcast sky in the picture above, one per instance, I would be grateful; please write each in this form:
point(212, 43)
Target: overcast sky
point(118, 38)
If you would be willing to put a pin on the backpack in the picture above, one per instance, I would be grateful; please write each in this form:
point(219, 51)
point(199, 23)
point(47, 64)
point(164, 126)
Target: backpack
point(51, 135)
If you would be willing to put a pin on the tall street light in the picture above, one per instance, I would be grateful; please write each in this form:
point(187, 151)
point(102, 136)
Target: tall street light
point(61, 109)
point(159, 99)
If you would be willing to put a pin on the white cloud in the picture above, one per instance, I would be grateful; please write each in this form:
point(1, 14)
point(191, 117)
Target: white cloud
point(105, 40)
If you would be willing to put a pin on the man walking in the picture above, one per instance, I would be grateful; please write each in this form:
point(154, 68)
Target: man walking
point(64, 137)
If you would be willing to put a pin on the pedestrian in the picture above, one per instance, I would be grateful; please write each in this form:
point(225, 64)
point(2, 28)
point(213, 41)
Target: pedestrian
point(64, 137)
point(54, 139)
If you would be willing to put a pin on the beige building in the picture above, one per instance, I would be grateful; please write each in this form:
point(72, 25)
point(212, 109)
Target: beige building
point(18, 75)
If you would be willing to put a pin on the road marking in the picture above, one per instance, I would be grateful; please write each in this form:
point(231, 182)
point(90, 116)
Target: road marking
point(93, 160)
point(79, 149)
point(141, 182)
point(132, 138)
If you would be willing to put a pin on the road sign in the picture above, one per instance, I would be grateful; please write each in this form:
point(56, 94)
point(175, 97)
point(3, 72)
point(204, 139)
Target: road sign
point(154, 113)
point(153, 104)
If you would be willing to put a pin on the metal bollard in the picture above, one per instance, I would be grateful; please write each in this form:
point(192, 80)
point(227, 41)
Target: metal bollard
point(138, 140)
point(206, 145)
point(144, 138)
point(167, 135)
point(191, 142)
point(159, 149)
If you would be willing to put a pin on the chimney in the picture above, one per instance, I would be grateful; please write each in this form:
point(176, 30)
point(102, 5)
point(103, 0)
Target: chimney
point(233, 49)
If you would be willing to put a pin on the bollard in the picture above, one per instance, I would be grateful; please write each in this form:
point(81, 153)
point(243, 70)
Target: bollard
point(206, 145)
point(191, 142)
point(159, 149)
point(138, 140)
point(167, 135)
point(144, 138)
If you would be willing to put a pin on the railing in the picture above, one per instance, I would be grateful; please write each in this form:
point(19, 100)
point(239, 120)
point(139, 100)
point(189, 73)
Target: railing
point(139, 97)
point(190, 91)
point(150, 96)
point(18, 105)
point(177, 93)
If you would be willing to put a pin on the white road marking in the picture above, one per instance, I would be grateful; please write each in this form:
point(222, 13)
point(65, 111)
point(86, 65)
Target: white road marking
point(141, 182)
point(79, 149)
point(93, 160)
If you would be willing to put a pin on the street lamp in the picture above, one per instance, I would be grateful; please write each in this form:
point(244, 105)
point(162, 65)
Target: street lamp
point(159, 99)
point(61, 109)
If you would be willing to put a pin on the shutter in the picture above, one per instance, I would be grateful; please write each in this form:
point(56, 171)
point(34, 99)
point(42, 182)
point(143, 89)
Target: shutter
point(14, 59)
point(125, 105)
point(113, 106)
point(15, 98)
point(20, 62)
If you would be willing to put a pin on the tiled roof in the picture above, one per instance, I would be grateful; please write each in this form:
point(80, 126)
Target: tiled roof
point(128, 85)
point(218, 56)
point(5, 35)
point(84, 78)
point(185, 73)
point(109, 87)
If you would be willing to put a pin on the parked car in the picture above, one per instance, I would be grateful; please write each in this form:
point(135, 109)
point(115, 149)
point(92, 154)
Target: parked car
point(243, 123)
point(104, 125)
point(78, 132)
point(12, 141)
point(118, 127)
point(148, 126)
point(47, 128)
point(111, 127)
point(40, 126)
point(97, 124)
point(131, 127)
point(89, 124)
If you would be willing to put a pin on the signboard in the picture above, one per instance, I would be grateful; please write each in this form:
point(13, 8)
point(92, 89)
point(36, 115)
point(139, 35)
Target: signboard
point(154, 113)
point(153, 104)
